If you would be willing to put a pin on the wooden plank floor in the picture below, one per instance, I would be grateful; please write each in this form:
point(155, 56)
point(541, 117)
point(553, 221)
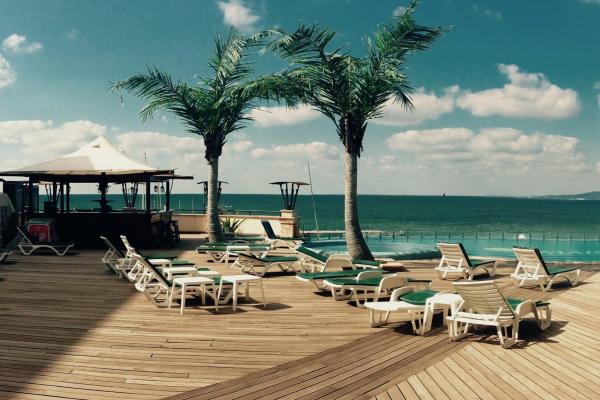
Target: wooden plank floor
point(68, 329)
point(563, 362)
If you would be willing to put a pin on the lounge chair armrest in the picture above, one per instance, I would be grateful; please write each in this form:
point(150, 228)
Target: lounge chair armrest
point(396, 293)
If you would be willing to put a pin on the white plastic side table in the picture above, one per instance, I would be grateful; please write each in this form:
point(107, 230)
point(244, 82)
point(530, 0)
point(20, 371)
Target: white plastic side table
point(236, 280)
point(446, 301)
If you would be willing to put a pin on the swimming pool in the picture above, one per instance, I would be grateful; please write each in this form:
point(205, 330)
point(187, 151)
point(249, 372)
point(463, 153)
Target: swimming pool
point(424, 247)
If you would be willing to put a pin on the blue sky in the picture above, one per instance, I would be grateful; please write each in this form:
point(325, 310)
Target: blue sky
point(507, 102)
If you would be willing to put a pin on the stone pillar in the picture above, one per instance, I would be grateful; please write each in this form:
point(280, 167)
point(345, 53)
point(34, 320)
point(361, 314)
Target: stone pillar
point(290, 224)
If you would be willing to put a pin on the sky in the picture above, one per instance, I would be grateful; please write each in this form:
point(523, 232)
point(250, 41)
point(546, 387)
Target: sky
point(507, 102)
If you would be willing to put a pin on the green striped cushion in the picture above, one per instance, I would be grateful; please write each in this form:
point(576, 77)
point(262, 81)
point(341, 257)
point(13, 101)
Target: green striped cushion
point(418, 297)
point(558, 270)
point(335, 274)
point(272, 259)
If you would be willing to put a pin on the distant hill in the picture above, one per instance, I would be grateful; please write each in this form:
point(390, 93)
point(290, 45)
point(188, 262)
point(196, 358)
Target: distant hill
point(580, 196)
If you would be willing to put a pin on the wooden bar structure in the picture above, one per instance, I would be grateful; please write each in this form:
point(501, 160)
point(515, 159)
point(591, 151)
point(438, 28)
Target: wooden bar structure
point(102, 339)
point(101, 163)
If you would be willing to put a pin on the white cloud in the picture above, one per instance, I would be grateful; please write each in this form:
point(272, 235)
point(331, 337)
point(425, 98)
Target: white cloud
point(430, 140)
point(527, 95)
point(259, 152)
point(398, 11)
point(313, 150)
point(492, 148)
point(18, 44)
point(7, 74)
point(597, 87)
point(591, 1)
point(427, 106)
point(239, 145)
point(282, 116)
point(237, 14)
point(44, 139)
point(157, 147)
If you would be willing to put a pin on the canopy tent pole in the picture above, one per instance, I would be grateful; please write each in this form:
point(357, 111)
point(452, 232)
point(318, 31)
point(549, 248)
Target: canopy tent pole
point(148, 198)
point(167, 196)
point(62, 197)
point(68, 197)
point(30, 195)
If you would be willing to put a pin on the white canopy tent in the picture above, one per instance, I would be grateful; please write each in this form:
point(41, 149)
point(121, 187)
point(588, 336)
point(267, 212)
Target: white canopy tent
point(96, 162)
point(101, 163)
point(97, 158)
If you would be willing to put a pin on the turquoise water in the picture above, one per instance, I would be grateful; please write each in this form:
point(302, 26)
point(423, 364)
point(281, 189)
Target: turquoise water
point(488, 226)
point(418, 247)
point(413, 214)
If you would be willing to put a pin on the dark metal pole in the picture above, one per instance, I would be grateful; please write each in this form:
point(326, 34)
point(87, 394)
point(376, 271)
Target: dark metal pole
point(30, 195)
point(62, 197)
point(148, 194)
point(168, 196)
point(68, 197)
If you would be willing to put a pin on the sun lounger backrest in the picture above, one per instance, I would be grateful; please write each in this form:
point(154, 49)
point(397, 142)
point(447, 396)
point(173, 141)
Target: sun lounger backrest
point(158, 275)
point(484, 297)
point(26, 235)
point(530, 259)
point(454, 254)
point(338, 261)
point(130, 249)
point(268, 229)
point(392, 282)
point(312, 254)
point(368, 275)
point(112, 247)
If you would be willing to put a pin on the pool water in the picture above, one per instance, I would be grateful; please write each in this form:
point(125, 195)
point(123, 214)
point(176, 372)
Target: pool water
point(414, 248)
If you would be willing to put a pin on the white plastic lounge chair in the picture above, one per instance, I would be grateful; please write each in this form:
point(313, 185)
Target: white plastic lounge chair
point(279, 242)
point(311, 261)
point(218, 250)
point(260, 265)
point(532, 269)
point(372, 284)
point(483, 304)
point(114, 259)
point(29, 244)
point(456, 262)
point(161, 291)
point(403, 300)
point(4, 253)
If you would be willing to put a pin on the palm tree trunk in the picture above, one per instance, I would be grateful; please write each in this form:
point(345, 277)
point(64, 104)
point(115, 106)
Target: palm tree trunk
point(357, 246)
point(215, 233)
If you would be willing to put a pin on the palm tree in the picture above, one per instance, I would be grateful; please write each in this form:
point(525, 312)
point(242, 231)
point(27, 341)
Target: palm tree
point(214, 108)
point(350, 90)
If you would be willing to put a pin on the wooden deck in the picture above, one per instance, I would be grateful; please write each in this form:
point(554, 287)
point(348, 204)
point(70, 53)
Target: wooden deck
point(70, 330)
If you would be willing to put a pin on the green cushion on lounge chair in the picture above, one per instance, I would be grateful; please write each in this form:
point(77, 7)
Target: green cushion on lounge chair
point(159, 255)
point(335, 274)
point(311, 253)
point(211, 248)
point(558, 270)
point(273, 259)
point(181, 262)
point(350, 281)
point(418, 297)
point(372, 263)
point(224, 244)
point(217, 280)
point(479, 263)
point(514, 303)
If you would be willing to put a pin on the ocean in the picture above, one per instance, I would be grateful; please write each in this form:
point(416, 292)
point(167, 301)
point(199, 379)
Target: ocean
point(411, 214)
